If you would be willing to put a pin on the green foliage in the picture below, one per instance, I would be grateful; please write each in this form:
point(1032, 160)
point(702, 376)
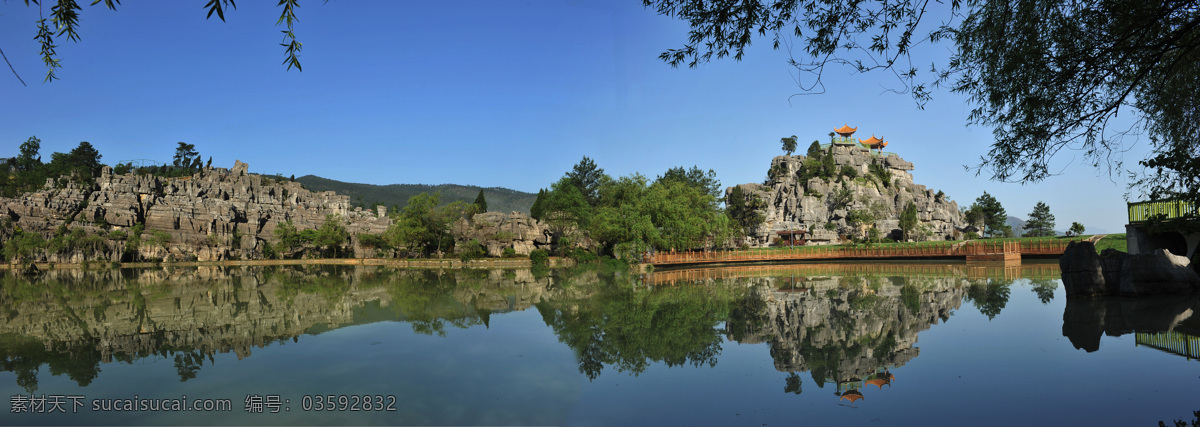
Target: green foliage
point(789, 144)
point(994, 217)
point(989, 296)
point(508, 252)
point(23, 245)
point(397, 195)
point(186, 157)
point(539, 257)
point(908, 219)
point(268, 251)
point(587, 178)
point(695, 177)
point(840, 198)
point(831, 226)
point(423, 228)
point(745, 213)
point(849, 172)
point(1076, 229)
point(1044, 75)
point(1041, 221)
point(814, 149)
point(480, 203)
point(538, 210)
point(470, 250)
point(877, 170)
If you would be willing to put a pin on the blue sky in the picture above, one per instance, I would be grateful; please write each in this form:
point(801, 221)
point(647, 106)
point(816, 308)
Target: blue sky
point(489, 93)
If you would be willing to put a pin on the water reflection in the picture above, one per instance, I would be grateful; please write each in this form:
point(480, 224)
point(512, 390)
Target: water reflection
point(843, 324)
point(1162, 322)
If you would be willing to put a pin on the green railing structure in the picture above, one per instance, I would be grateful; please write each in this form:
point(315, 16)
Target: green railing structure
point(1166, 209)
point(1172, 342)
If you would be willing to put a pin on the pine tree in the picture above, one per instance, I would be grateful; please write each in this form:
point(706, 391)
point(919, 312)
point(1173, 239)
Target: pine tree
point(994, 216)
point(539, 205)
point(789, 144)
point(1041, 222)
point(480, 202)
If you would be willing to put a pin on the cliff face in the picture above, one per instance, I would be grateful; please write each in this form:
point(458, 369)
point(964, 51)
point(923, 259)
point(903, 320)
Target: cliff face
point(821, 205)
point(215, 214)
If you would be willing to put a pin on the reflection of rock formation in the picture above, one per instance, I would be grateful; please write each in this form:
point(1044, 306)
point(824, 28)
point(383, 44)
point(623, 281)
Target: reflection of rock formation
point(844, 328)
point(1084, 320)
point(88, 317)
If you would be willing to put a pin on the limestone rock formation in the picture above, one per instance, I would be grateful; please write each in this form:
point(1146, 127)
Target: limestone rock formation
point(201, 216)
point(497, 231)
point(1086, 274)
point(820, 206)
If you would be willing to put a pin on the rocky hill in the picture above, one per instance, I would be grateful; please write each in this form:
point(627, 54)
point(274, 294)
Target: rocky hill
point(818, 193)
point(215, 214)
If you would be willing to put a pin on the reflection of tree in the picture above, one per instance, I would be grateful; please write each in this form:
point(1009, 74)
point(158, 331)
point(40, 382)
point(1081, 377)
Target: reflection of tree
point(24, 356)
point(427, 301)
point(989, 295)
point(628, 329)
point(792, 384)
point(1044, 288)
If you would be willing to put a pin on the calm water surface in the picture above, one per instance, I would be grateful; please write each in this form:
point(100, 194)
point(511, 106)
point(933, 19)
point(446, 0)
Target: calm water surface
point(893, 344)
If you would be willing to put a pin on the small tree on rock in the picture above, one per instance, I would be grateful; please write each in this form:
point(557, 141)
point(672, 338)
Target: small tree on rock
point(789, 144)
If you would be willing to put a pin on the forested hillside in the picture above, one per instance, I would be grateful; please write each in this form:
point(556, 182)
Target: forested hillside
point(498, 199)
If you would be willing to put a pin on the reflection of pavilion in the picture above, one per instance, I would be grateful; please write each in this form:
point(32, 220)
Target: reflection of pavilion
point(851, 389)
point(848, 331)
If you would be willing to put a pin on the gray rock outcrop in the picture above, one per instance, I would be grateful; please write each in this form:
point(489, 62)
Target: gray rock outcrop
point(1113, 273)
point(215, 214)
point(497, 231)
point(821, 205)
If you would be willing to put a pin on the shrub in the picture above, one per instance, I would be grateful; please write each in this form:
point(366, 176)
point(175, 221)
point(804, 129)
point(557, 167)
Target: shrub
point(471, 249)
point(539, 257)
point(849, 171)
point(509, 253)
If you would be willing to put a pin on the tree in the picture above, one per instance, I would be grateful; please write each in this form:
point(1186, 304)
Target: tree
point(745, 211)
point(994, 216)
point(814, 149)
point(908, 219)
point(704, 181)
point(1041, 222)
point(789, 144)
point(65, 19)
point(184, 155)
point(1043, 74)
point(538, 210)
point(1076, 229)
point(423, 228)
point(28, 159)
point(587, 178)
point(480, 203)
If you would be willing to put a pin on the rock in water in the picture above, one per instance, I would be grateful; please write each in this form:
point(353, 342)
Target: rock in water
point(1086, 274)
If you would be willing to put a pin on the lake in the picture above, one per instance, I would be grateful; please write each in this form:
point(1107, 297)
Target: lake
point(855, 343)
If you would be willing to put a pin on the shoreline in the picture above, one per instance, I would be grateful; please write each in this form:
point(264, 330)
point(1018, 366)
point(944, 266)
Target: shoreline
point(386, 262)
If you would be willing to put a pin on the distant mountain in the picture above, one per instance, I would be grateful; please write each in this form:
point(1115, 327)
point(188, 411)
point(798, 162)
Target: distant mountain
point(1017, 224)
point(498, 199)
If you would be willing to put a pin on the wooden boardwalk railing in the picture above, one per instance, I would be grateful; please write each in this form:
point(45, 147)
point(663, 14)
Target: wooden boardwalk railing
point(969, 250)
point(799, 272)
